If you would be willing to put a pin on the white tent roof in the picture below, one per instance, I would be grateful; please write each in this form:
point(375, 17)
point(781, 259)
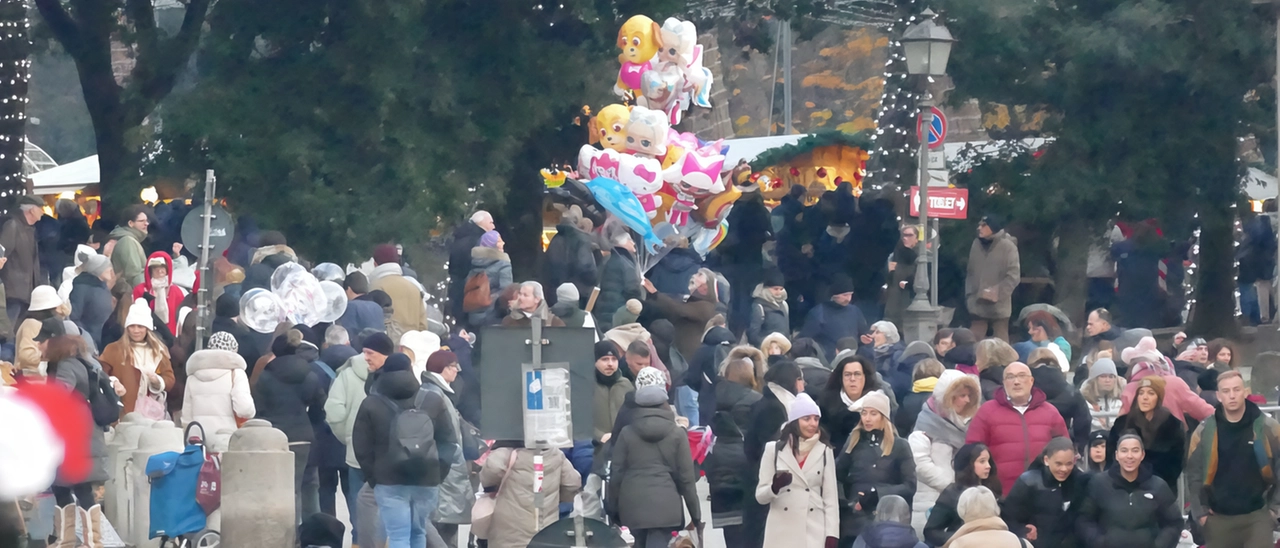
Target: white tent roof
point(1259, 185)
point(73, 176)
point(749, 147)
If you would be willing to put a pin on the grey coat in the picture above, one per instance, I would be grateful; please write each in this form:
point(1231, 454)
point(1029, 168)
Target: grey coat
point(497, 266)
point(995, 266)
point(75, 375)
point(21, 273)
point(652, 470)
point(456, 492)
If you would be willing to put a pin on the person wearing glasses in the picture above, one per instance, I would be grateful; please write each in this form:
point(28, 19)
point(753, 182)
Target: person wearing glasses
point(1016, 424)
point(127, 255)
point(902, 273)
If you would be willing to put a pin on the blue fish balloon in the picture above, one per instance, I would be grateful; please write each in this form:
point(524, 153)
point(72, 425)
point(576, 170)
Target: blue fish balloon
point(622, 203)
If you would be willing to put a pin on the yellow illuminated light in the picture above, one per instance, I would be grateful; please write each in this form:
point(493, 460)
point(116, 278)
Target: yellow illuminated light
point(68, 195)
point(149, 195)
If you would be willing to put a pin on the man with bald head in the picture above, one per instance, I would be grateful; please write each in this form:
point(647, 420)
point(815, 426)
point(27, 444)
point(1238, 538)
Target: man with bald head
point(1016, 424)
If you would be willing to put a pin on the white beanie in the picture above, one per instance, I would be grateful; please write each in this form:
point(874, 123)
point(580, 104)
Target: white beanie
point(802, 406)
point(140, 314)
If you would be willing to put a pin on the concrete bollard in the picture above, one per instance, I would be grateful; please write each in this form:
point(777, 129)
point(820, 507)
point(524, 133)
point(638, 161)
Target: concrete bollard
point(124, 441)
point(162, 437)
point(257, 488)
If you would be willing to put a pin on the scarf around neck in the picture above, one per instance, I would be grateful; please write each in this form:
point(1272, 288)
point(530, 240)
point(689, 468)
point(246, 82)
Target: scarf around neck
point(939, 429)
point(806, 446)
point(783, 395)
point(763, 293)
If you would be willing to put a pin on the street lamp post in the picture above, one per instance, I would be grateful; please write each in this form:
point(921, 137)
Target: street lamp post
point(927, 46)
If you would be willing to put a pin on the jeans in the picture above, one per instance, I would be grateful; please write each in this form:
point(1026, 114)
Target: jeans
point(687, 404)
point(301, 452)
point(1249, 303)
point(372, 533)
point(406, 512)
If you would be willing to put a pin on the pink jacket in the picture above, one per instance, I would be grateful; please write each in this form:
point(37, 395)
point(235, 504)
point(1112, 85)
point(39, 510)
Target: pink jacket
point(1179, 399)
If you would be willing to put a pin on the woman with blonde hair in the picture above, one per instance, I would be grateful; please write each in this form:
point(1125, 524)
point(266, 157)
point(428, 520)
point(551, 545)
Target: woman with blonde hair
point(1104, 392)
point(872, 464)
point(939, 434)
point(140, 361)
point(992, 357)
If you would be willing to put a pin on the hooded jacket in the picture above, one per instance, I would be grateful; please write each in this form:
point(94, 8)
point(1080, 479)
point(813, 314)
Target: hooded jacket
point(174, 294)
point(829, 322)
point(1179, 399)
point(652, 471)
point(345, 396)
point(1039, 499)
point(619, 283)
point(933, 441)
point(1066, 399)
point(217, 391)
point(409, 310)
point(708, 362)
point(995, 266)
point(1205, 457)
point(514, 521)
point(288, 394)
point(74, 375)
point(728, 472)
point(372, 437)
point(128, 257)
point(497, 266)
point(457, 495)
point(767, 316)
point(90, 305)
point(1106, 402)
point(671, 274)
point(1118, 513)
point(569, 259)
point(1015, 439)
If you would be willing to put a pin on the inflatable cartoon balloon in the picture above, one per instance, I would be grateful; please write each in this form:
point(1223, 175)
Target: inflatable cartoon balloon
point(281, 273)
point(638, 40)
point(335, 301)
point(647, 132)
point(624, 205)
point(609, 127)
point(261, 310)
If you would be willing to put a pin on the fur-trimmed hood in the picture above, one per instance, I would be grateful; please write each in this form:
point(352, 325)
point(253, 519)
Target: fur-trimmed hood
point(210, 364)
point(482, 256)
point(951, 383)
point(779, 338)
point(1093, 394)
point(745, 352)
point(266, 251)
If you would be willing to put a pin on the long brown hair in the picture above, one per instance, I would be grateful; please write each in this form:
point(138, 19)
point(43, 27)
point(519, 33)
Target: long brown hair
point(151, 341)
point(62, 347)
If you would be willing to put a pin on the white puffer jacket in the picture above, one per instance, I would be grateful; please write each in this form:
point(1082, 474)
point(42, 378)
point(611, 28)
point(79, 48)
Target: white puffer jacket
point(932, 455)
point(217, 391)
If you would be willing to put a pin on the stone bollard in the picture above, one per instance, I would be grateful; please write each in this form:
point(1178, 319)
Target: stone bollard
point(123, 443)
point(162, 437)
point(257, 488)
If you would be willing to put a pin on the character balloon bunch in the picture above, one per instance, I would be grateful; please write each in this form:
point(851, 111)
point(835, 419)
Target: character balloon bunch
point(662, 66)
point(296, 296)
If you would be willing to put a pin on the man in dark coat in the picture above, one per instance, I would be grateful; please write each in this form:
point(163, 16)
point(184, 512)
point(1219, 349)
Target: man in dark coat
point(289, 395)
point(20, 269)
point(619, 282)
point(569, 260)
point(836, 318)
point(742, 253)
point(794, 253)
point(671, 274)
point(691, 315)
point(361, 314)
point(704, 368)
point(226, 314)
point(770, 312)
point(466, 237)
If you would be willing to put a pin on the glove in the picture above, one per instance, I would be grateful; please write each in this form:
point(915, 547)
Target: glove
point(832, 542)
point(780, 480)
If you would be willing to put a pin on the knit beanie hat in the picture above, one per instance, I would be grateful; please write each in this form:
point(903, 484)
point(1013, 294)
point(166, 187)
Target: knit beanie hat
point(379, 342)
point(802, 406)
point(1146, 351)
point(607, 348)
point(873, 400)
point(994, 222)
point(490, 239)
point(93, 263)
point(650, 376)
point(628, 314)
point(567, 292)
point(441, 359)
point(223, 341)
point(385, 253)
point(1103, 366)
point(140, 314)
point(1154, 382)
point(397, 362)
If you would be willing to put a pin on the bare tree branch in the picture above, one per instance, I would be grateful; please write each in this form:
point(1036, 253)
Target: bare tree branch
point(159, 62)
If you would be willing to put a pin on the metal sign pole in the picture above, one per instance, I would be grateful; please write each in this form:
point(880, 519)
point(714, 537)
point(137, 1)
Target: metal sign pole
point(202, 294)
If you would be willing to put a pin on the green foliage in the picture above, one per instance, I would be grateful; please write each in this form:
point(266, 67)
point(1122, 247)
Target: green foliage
point(775, 156)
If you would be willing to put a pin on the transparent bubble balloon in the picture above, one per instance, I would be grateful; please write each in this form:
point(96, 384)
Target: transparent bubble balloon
point(335, 301)
point(329, 272)
point(282, 272)
point(261, 310)
point(304, 299)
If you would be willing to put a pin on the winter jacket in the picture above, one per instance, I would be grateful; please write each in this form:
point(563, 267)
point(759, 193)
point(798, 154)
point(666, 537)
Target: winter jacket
point(608, 401)
point(768, 414)
point(865, 468)
point(173, 295)
point(985, 533)
point(74, 374)
point(888, 534)
point(360, 315)
point(994, 265)
point(652, 471)
point(113, 363)
point(839, 421)
point(898, 296)
point(829, 322)
point(409, 310)
point(1105, 402)
point(568, 260)
point(934, 443)
point(1138, 293)
point(960, 356)
point(1165, 454)
point(704, 369)
point(336, 356)
point(671, 274)
point(991, 379)
point(288, 394)
point(217, 391)
point(513, 514)
point(767, 318)
point(728, 472)
point(619, 282)
point(497, 266)
point(943, 519)
point(1203, 462)
point(905, 420)
point(807, 508)
point(1117, 513)
point(90, 305)
point(1179, 399)
point(1039, 499)
point(327, 451)
point(901, 377)
point(689, 317)
point(886, 358)
point(572, 315)
point(346, 393)
point(21, 273)
point(128, 258)
point(816, 374)
point(1066, 399)
point(457, 495)
point(1025, 348)
point(372, 437)
point(1015, 439)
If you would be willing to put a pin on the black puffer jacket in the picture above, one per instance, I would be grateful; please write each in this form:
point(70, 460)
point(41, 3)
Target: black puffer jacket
point(992, 378)
point(1118, 513)
point(944, 520)
point(652, 471)
point(568, 259)
point(288, 394)
point(1039, 499)
point(1066, 399)
point(705, 366)
point(728, 472)
point(371, 435)
point(866, 469)
point(960, 355)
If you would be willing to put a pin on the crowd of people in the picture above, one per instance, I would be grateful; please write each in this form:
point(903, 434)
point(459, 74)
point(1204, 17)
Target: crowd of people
point(829, 429)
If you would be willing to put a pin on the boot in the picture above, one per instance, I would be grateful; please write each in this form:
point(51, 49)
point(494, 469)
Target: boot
point(92, 519)
point(64, 527)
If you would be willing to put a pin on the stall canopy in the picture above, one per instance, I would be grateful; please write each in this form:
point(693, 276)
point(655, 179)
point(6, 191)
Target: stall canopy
point(67, 177)
point(748, 148)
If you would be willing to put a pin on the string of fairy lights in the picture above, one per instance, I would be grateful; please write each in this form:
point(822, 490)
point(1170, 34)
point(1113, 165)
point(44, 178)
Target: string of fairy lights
point(895, 135)
point(15, 74)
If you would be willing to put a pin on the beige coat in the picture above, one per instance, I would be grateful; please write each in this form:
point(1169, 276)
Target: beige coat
point(406, 299)
point(513, 515)
point(808, 508)
point(29, 357)
point(985, 533)
point(995, 266)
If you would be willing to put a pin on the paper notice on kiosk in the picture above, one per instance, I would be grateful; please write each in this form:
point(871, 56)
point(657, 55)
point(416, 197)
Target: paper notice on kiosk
point(547, 417)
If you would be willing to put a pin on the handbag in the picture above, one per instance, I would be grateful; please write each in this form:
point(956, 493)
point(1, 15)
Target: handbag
point(149, 405)
point(209, 480)
point(486, 503)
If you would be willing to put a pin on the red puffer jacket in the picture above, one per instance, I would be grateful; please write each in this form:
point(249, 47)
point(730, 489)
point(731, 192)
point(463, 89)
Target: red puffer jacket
point(1015, 439)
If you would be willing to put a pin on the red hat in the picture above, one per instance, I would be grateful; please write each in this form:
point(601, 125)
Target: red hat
point(72, 422)
point(441, 359)
point(385, 253)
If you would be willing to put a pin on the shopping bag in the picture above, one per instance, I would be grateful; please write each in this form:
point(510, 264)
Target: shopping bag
point(209, 492)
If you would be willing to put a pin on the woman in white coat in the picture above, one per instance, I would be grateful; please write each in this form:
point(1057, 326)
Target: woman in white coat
point(798, 482)
point(939, 433)
point(217, 392)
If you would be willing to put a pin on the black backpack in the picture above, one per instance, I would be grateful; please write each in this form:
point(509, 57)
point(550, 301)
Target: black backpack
point(103, 401)
point(412, 441)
